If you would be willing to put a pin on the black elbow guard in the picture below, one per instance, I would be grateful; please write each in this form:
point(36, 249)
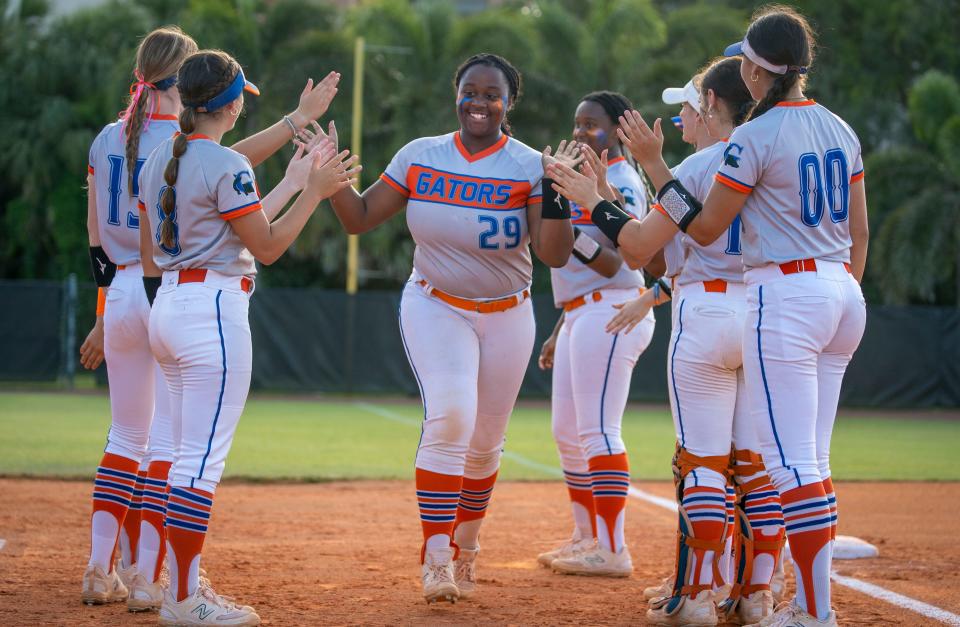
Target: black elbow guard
point(103, 269)
point(678, 204)
point(150, 285)
point(553, 206)
point(610, 219)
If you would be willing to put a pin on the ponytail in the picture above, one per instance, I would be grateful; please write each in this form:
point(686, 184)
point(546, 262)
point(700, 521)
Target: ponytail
point(136, 115)
point(168, 200)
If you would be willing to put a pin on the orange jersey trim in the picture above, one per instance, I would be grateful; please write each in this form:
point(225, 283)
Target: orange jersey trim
point(857, 176)
point(616, 160)
point(500, 143)
point(395, 185)
point(141, 206)
point(799, 103)
point(732, 183)
point(162, 116)
point(241, 211)
point(90, 169)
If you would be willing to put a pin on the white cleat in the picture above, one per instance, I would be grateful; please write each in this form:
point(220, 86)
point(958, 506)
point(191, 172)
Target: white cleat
point(439, 582)
point(567, 549)
point(144, 596)
point(205, 607)
point(126, 574)
point(597, 562)
point(100, 587)
point(753, 608)
point(465, 572)
point(790, 614)
point(663, 589)
point(698, 611)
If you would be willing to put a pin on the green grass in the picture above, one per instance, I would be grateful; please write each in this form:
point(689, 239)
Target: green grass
point(62, 435)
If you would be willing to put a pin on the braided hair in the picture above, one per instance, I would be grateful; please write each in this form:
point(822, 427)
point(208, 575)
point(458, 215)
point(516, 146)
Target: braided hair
point(784, 37)
point(159, 56)
point(722, 76)
point(512, 74)
point(202, 76)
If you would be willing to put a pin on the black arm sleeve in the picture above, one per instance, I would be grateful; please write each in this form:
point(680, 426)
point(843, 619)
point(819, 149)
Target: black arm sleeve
point(103, 269)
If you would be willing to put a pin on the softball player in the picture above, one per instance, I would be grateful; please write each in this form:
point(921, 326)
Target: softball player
point(473, 205)
point(207, 224)
point(588, 408)
point(130, 488)
point(794, 173)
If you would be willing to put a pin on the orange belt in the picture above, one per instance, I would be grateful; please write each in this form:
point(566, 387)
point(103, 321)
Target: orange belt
point(199, 275)
point(580, 301)
point(121, 267)
point(803, 265)
point(484, 306)
point(718, 286)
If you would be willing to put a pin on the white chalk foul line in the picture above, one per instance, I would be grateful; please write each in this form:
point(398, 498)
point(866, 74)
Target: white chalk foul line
point(2, 543)
point(869, 589)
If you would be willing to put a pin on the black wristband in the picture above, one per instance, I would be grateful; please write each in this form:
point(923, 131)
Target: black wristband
point(610, 219)
point(103, 269)
point(679, 204)
point(150, 285)
point(554, 206)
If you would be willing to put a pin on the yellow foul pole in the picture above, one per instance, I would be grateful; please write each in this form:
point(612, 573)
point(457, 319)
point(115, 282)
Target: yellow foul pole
point(353, 243)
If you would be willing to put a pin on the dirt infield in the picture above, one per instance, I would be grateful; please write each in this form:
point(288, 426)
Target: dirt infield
point(346, 553)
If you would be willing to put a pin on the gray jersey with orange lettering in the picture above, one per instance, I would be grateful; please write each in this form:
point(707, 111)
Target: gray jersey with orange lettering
point(468, 213)
point(796, 162)
point(118, 221)
point(575, 278)
point(215, 185)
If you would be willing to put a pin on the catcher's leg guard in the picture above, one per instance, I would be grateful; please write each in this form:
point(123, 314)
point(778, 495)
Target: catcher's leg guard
point(690, 547)
point(758, 507)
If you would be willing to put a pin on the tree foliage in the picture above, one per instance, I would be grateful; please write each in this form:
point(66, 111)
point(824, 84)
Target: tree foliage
point(63, 78)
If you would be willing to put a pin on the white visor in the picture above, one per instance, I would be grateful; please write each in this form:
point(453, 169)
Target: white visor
point(678, 95)
point(744, 48)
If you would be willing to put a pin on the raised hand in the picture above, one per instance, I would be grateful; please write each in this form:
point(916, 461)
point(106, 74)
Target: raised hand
point(315, 100)
point(327, 177)
point(643, 142)
point(575, 187)
point(298, 170)
point(596, 167)
point(568, 153)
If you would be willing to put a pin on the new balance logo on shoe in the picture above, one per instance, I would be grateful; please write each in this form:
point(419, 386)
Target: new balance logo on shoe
point(201, 611)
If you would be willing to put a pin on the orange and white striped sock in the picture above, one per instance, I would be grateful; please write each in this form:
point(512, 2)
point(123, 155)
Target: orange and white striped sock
point(765, 515)
point(152, 548)
point(706, 509)
point(474, 498)
point(188, 514)
point(832, 501)
point(726, 560)
point(806, 513)
point(113, 490)
point(610, 482)
point(437, 497)
point(581, 502)
point(130, 531)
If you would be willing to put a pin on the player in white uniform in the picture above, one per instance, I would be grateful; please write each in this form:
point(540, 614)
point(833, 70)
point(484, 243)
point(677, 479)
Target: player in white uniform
point(138, 393)
point(794, 173)
point(591, 369)
point(473, 205)
point(206, 225)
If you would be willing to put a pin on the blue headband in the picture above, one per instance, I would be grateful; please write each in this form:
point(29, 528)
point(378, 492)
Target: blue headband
point(166, 83)
point(231, 93)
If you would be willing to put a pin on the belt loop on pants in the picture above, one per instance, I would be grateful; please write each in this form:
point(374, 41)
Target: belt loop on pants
point(479, 306)
point(199, 275)
point(805, 265)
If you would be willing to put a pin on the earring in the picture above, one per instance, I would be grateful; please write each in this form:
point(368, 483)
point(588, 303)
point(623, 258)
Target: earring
point(755, 77)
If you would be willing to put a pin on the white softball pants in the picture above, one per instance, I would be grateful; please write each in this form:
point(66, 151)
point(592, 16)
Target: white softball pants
point(469, 367)
point(802, 330)
point(200, 334)
point(591, 379)
point(140, 427)
point(705, 376)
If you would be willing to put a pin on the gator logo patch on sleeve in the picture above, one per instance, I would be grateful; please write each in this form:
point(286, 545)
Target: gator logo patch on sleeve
point(243, 183)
